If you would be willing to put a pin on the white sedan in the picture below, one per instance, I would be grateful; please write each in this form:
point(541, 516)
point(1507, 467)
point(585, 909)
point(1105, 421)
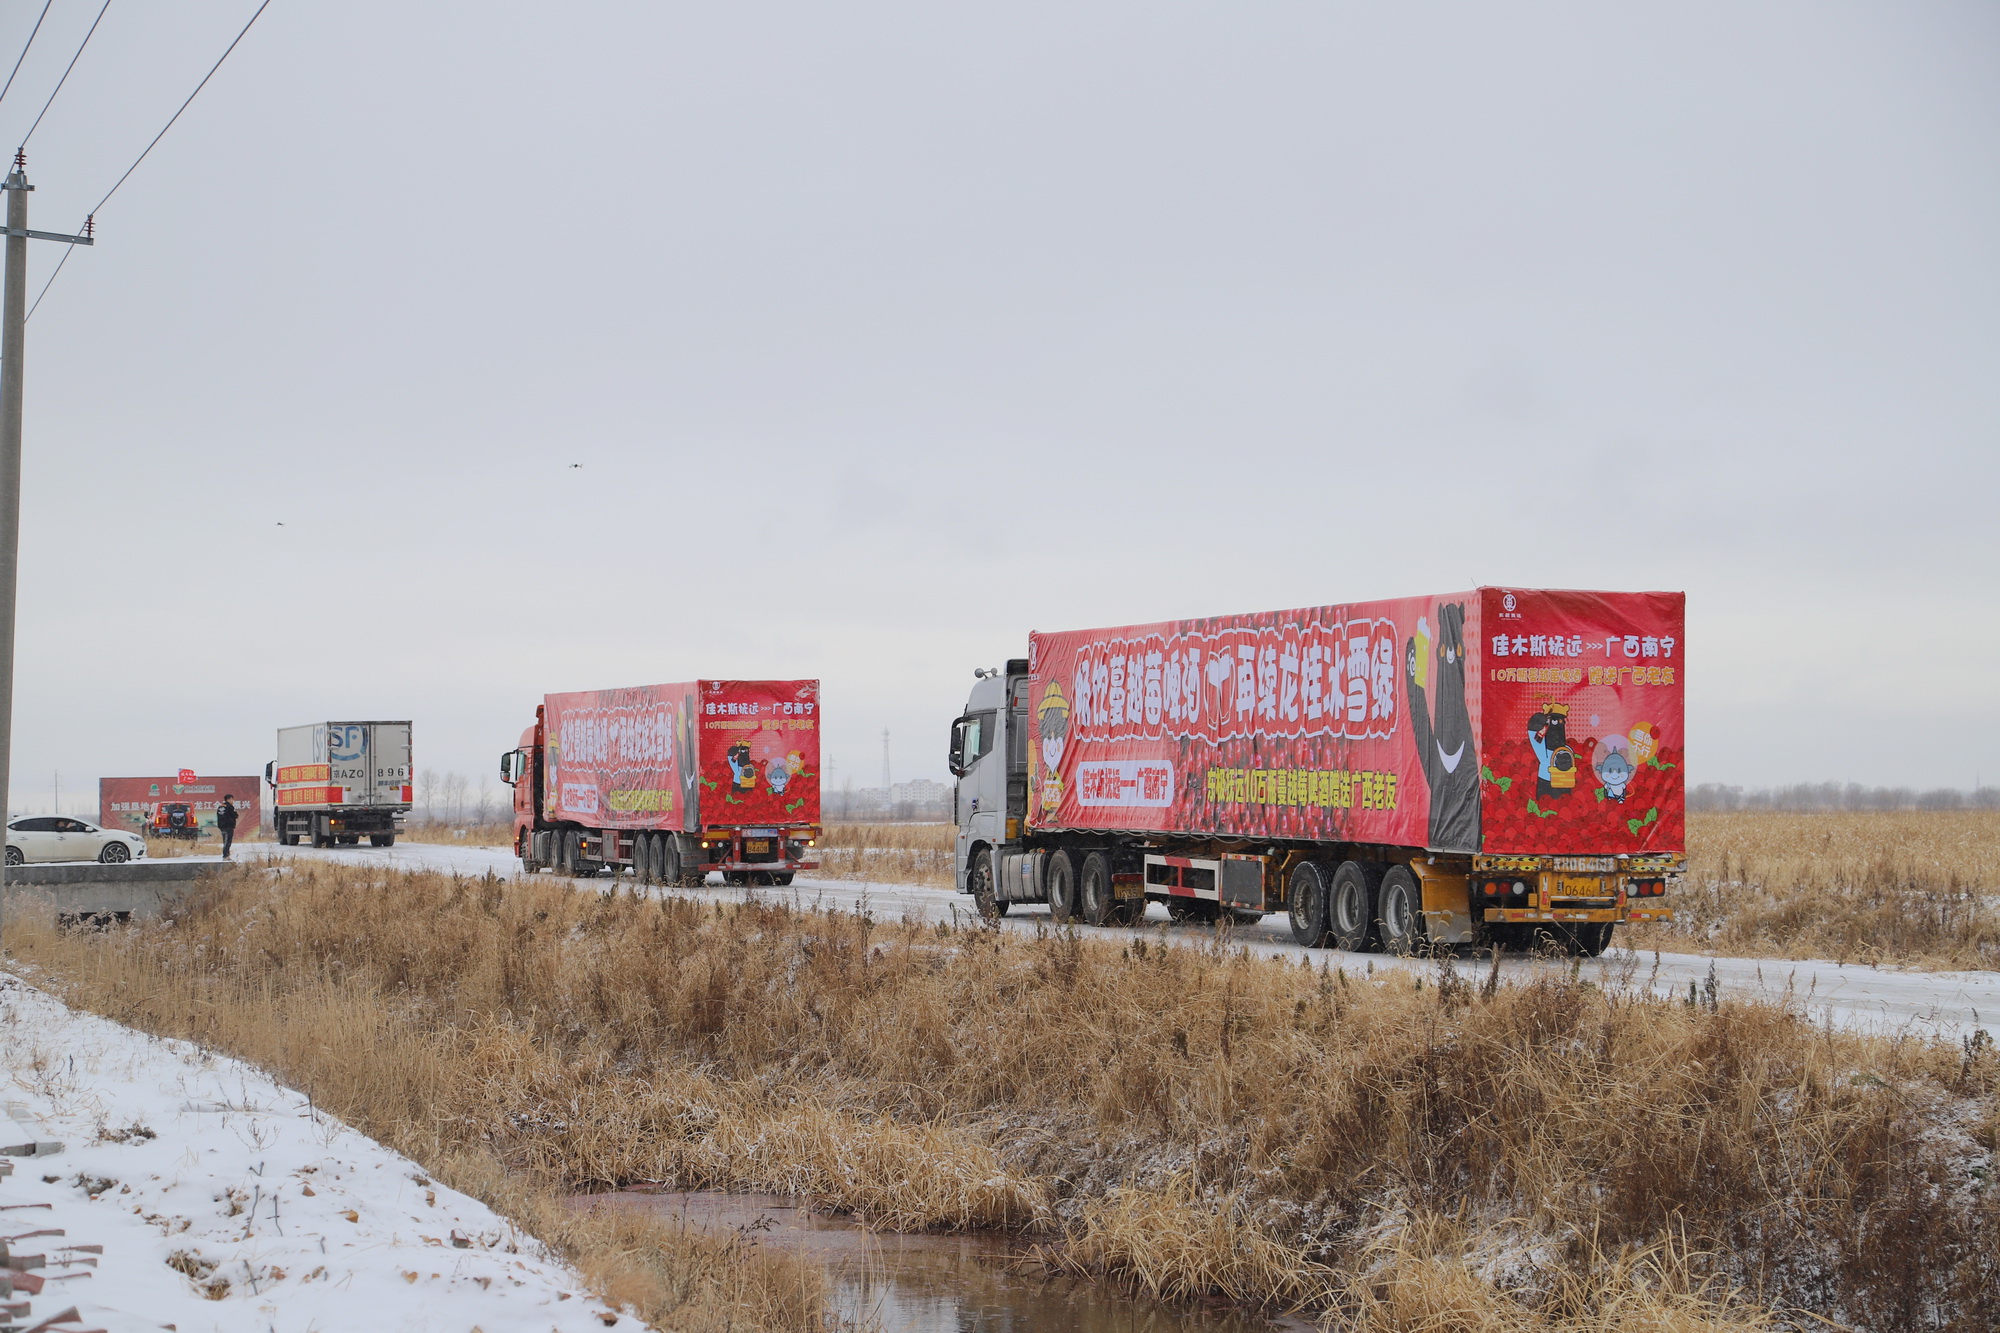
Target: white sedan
point(60, 838)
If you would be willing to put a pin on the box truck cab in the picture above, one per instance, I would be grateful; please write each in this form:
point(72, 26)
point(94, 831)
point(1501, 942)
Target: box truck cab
point(671, 782)
point(1501, 766)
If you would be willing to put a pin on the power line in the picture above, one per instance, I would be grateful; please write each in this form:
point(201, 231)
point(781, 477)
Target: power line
point(24, 50)
point(184, 105)
point(65, 74)
point(90, 218)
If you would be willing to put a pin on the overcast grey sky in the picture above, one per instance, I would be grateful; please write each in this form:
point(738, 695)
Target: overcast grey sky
point(884, 333)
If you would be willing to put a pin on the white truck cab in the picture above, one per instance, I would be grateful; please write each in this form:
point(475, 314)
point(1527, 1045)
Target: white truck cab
point(989, 757)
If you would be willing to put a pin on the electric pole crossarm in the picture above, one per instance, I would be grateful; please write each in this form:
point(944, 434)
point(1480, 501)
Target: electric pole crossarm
point(47, 236)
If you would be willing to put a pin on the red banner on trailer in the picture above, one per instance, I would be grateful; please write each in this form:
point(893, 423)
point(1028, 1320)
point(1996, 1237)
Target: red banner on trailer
point(1412, 722)
point(618, 758)
point(685, 757)
point(759, 752)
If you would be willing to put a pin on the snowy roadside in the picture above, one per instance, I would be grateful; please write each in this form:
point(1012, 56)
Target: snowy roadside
point(1880, 999)
point(222, 1201)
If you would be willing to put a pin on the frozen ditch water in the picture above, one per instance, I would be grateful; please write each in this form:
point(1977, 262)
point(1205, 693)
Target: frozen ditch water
point(929, 1283)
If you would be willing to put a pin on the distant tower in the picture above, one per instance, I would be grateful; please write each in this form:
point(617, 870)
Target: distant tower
point(885, 759)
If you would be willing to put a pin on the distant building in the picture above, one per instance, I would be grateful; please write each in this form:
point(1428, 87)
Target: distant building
point(918, 802)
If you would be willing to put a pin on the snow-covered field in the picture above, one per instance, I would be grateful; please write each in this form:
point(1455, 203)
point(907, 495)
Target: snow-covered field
point(223, 1201)
point(1890, 999)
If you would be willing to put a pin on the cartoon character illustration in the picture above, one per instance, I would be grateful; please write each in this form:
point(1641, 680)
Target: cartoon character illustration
point(778, 775)
point(795, 764)
point(1052, 721)
point(1612, 766)
point(1052, 729)
point(740, 765)
point(1451, 769)
point(1555, 762)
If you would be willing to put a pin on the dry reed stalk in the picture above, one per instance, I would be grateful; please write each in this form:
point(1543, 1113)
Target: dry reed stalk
point(1193, 1120)
point(1919, 888)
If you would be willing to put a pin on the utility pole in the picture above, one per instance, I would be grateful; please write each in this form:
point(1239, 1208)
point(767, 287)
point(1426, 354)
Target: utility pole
point(13, 359)
point(885, 763)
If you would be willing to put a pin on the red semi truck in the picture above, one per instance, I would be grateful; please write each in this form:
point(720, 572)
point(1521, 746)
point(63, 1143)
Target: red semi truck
point(1500, 766)
point(671, 781)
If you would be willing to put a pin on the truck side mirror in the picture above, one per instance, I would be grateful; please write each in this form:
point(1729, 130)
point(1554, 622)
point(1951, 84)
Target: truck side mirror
point(267, 773)
point(955, 761)
point(507, 767)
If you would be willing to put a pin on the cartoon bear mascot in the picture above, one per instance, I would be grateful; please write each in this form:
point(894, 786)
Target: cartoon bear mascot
point(1451, 768)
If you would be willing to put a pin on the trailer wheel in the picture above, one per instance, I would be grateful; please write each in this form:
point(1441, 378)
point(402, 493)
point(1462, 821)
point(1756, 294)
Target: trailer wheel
point(1350, 905)
point(642, 858)
point(572, 853)
point(670, 863)
point(381, 840)
point(979, 883)
point(781, 877)
point(1306, 899)
point(288, 839)
point(1399, 911)
point(1062, 889)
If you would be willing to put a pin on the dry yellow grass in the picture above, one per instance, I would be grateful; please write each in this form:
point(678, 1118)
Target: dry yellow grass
point(888, 853)
point(1909, 887)
point(1393, 1153)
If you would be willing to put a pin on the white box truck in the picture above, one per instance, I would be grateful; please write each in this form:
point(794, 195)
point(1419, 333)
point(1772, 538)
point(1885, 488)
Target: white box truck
point(337, 782)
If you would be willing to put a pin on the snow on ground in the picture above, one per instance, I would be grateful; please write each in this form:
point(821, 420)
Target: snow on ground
point(1886, 999)
point(225, 1202)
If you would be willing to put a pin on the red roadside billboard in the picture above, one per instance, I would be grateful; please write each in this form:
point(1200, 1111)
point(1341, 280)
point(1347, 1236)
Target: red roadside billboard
point(124, 803)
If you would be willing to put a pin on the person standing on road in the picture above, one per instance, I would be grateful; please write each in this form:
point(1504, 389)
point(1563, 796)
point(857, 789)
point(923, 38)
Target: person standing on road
point(225, 823)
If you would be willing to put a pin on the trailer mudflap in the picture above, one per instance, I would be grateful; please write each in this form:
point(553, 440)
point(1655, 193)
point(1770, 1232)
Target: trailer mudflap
point(1241, 883)
point(1447, 904)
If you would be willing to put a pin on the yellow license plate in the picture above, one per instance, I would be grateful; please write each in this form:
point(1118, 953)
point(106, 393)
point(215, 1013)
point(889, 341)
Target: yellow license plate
point(756, 844)
point(1582, 886)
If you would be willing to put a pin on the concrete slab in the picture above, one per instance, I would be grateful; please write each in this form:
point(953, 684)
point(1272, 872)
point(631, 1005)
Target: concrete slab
point(132, 888)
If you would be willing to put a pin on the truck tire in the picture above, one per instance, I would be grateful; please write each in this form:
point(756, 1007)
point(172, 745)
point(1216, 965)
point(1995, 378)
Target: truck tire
point(382, 840)
point(524, 847)
point(1399, 912)
point(288, 839)
point(642, 858)
point(1350, 905)
point(1062, 888)
point(979, 883)
point(1305, 896)
point(572, 852)
point(671, 873)
point(1095, 898)
point(783, 877)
